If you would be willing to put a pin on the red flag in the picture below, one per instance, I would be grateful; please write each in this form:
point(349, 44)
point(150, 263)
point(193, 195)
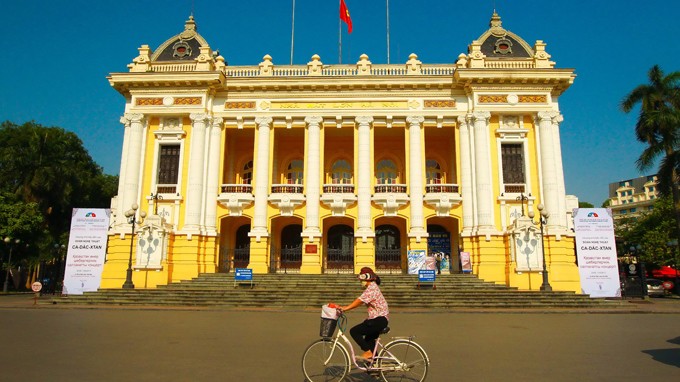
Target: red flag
point(344, 16)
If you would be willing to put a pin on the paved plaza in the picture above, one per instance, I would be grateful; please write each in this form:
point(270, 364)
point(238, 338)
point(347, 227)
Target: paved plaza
point(49, 343)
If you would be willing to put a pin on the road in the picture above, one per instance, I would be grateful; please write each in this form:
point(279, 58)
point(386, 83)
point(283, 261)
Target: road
point(43, 344)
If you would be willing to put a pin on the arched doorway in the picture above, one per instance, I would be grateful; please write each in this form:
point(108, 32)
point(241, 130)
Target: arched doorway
point(340, 249)
point(439, 245)
point(388, 249)
point(242, 247)
point(290, 253)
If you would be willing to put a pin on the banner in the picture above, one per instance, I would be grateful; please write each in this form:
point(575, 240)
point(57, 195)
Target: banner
point(416, 261)
point(86, 250)
point(596, 251)
point(465, 262)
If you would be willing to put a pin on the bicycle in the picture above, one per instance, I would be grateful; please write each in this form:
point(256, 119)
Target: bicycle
point(401, 359)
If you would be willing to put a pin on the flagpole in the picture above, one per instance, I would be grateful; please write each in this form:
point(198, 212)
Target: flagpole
point(388, 31)
point(339, 39)
point(292, 36)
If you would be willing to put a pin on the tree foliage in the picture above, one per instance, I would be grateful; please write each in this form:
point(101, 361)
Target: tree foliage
point(44, 173)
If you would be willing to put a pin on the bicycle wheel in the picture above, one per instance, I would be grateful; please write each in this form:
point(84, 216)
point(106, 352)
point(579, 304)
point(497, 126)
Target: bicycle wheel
point(323, 363)
point(403, 360)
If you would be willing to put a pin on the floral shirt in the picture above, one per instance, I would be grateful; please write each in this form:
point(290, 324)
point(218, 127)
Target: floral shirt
point(373, 297)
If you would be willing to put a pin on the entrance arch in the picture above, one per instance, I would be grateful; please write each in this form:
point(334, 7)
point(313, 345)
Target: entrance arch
point(242, 247)
point(340, 248)
point(290, 255)
point(388, 248)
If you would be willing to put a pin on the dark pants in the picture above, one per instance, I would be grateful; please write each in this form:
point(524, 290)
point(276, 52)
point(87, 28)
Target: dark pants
point(367, 332)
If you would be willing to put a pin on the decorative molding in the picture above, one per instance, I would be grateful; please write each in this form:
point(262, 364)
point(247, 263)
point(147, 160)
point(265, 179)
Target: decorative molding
point(493, 98)
point(533, 98)
point(149, 101)
point(512, 98)
point(239, 105)
point(188, 101)
point(333, 105)
point(167, 101)
point(433, 103)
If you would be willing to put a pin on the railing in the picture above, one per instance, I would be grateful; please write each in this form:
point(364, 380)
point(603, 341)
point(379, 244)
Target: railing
point(339, 260)
point(235, 258)
point(285, 260)
point(287, 189)
point(173, 67)
point(338, 188)
point(236, 189)
point(441, 188)
point(390, 188)
point(166, 189)
point(514, 188)
point(389, 260)
point(336, 70)
point(529, 64)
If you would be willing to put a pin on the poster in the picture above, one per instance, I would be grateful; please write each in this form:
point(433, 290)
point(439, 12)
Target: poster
point(465, 262)
point(596, 251)
point(86, 250)
point(416, 260)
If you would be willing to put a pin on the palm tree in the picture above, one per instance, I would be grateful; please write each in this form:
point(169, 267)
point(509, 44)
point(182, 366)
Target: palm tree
point(658, 126)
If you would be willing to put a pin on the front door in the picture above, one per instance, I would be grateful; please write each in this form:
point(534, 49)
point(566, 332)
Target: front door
point(340, 249)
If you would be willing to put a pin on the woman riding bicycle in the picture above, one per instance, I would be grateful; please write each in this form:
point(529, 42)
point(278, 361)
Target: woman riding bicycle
point(365, 333)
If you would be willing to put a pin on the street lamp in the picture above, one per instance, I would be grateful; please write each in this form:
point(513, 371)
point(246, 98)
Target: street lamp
point(9, 261)
point(521, 198)
point(130, 214)
point(543, 219)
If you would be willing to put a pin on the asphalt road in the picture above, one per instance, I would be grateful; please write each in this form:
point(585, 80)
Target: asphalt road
point(211, 345)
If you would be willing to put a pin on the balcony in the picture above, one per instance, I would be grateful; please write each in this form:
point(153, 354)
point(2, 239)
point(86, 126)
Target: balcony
point(391, 197)
point(236, 197)
point(338, 197)
point(166, 189)
point(510, 188)
point(287, 197)
point(442, 197)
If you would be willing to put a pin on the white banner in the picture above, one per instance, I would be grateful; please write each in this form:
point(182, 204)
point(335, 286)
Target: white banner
point(86, 250)
point(416, 260)
point(596, 249)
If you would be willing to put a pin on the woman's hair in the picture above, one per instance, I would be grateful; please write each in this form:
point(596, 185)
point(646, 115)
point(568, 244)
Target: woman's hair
point(367, 274)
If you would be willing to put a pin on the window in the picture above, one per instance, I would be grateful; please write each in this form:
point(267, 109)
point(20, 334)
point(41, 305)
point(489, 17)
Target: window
point(247, 175)
point(386, 172)
point(433, 172)
point(651, 188)
point(295, 172)
point(341, 172)
point(512, 155)
point(632, 210)
point(168, 164)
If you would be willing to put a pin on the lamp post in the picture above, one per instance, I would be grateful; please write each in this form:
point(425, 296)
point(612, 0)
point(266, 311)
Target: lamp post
point(543, 219)
point(130, 214)
point(521, 198)
point(8, 241)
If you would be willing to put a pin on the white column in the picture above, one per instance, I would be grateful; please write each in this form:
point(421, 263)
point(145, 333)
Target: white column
point(195, 178)
point(561, 190)
point(212, 182)
point(466, 173)
point(128, 186)
point(485, 215)
point(416, 178)
point(312, 174)
point(261, 178)
point(363, 169)
point(548, 172)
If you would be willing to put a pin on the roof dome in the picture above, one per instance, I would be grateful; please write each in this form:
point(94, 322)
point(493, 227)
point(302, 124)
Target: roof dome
point(500, 43)
point(182, 47)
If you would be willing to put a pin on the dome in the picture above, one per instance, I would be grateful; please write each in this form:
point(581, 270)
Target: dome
point(182, 47)
point(500, 43)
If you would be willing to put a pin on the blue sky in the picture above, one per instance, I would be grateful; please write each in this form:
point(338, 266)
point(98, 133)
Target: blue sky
point(59, 52)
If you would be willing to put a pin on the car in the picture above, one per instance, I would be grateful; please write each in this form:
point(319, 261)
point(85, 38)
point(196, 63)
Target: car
point(655, 288)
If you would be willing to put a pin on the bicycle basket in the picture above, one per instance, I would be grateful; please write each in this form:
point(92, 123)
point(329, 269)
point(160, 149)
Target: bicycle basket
point(327, 327)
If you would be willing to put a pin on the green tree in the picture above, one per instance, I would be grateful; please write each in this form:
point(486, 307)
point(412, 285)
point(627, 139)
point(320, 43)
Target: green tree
point(652, 231)
point(585, 205)
point(658, 126)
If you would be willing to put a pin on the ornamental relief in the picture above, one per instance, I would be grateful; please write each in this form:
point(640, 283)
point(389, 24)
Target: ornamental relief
point(489, 98)
point(239, 105)
point(158, 101)
point(440, 103)
point(533, 99)
point(504, 98)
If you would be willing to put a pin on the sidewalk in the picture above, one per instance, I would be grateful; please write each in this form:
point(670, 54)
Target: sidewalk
point(663, 305)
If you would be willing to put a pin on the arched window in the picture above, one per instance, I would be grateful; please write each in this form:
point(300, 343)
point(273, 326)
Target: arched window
point(247, 175)
point(387, 237)
point(386, 172)
point(433, 172)
point(341, 172)
point(295, 172)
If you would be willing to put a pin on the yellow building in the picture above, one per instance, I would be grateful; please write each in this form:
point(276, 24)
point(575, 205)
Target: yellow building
point(326, 169)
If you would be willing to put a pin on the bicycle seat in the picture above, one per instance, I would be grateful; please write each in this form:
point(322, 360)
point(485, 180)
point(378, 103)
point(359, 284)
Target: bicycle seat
point(386, 330)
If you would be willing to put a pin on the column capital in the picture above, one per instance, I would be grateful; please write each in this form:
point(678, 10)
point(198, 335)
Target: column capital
point(415, 120)
point(128, 118)
point(546, 115)
point(198, 117)
point(481, 115)
point(557, 118)
point(364, 119)
point(263, 121)
point(218, 122)
point(313, 120)
point(464, 119)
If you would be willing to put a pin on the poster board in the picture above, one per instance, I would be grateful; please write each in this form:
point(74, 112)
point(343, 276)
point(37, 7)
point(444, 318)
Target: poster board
point(416, 260)
point(596, 250)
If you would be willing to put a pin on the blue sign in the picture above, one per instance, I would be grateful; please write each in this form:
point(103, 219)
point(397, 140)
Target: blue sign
point(243, 274)
point(426, 275)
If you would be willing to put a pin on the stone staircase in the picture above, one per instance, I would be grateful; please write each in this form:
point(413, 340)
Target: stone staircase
point(452, 292)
